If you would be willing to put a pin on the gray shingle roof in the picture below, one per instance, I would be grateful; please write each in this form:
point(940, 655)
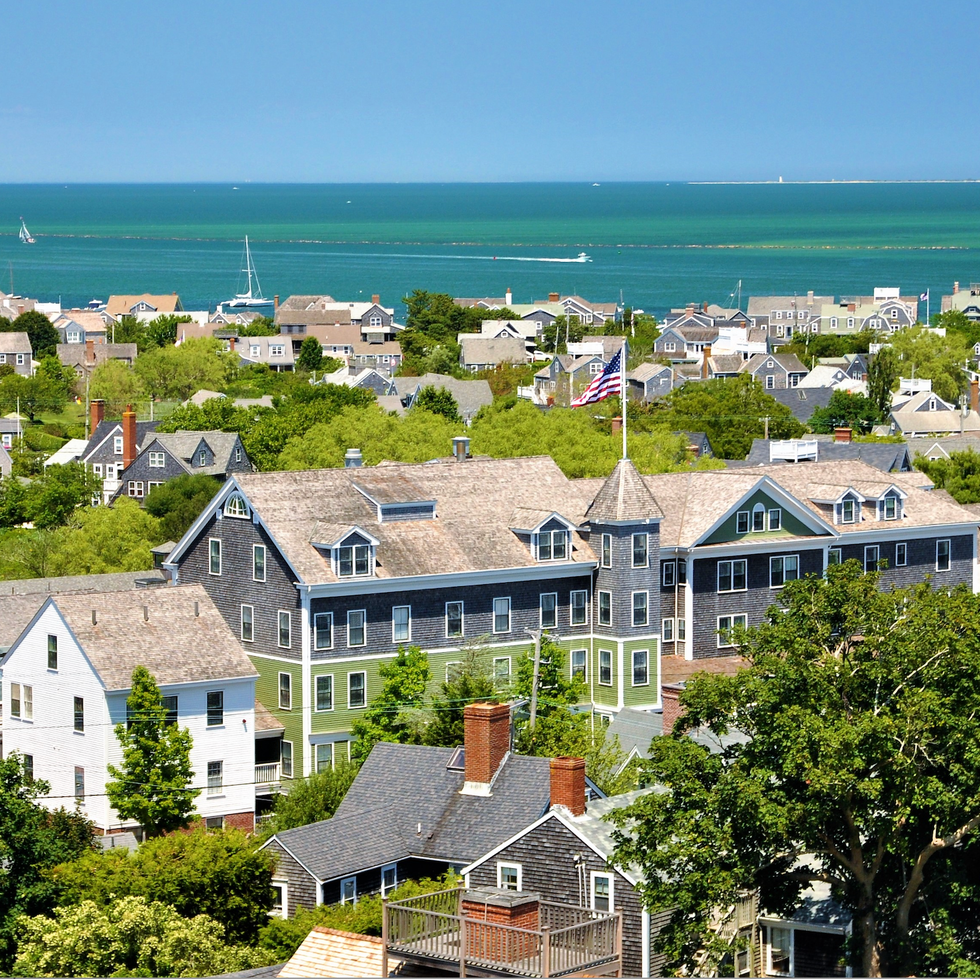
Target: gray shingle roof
point(119, 581)
point(886, 456)
point(182, 445)
point(624, 498)
point(802, 402)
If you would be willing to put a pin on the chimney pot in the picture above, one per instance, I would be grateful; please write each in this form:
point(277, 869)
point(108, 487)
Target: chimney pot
point(275, 302)
point(672, 710)
point(96, 413)
point(353, 459)
point(568, 784)
point(486, 737)
point(554, 297)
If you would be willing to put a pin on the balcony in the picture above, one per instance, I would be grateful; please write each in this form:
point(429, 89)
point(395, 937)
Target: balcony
point(267, 775)
point(493, 932)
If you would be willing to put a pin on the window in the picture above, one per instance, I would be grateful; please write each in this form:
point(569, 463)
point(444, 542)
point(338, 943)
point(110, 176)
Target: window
point(454, 620)
point(780, 951)
point(605, 608)
point(214, 556)
point(847, 511)
point(667, 630)
point(28, 702)
point(79, 783)
point(607, 550)
point(641, 667)
point(324, 757)
point(942, 564)
point(775, 519)
point(389, 878)
point(681, 630)
point(117, 445)
point(639, 608)
point(579, 607)
point(670, 347)
point(157, 460)
point(216, 708)
point(549, 610)
point(682, 572)
point(732, 575)
point(216, 771)
point(833, 556)
point(669, 574)
point(348, 890)
point(640, 542)
point(890, 508)
point(353, 560)
point(79, 714)
point(323, 630)
point(248, 629)
point(152, 485)
point(901, 555)
point(284, 630)
point(170, 703)
point(742, 522)
point(277, 350)
point(726, 623)
point(401, 623)
point(779, 314)
point(509, 876)
point(15, 700)
point(871, 558)
point(28, 762)
point(136, 488)
point(605, 667)
point(324, 692)
point(501, 669)
point(375, 321)
point(552, 545)
point(595, 368)
point(758, 518)
point(602, 892)
point(356, 631)
point(285, 691)
point(452, 670)
point(202, 458)
point(52, 652)
point(253, 350)
point(357, 689)
point(258, 562)
point(238, 455)
point(770, 382)
point(578, 661)
point(783, 569)
point(286, 758)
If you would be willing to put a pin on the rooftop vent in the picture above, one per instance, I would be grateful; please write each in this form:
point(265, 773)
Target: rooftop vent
point(353, 459)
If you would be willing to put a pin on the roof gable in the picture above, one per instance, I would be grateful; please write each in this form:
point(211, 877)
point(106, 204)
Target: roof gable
point(624, 498)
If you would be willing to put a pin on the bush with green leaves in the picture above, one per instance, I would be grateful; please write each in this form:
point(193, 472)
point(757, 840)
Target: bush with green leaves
point(311, 799)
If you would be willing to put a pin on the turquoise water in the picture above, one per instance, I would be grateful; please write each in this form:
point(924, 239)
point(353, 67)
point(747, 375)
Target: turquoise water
point(656, 244)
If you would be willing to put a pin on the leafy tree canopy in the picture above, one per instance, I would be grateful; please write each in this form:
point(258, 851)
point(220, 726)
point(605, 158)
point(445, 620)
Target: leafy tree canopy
point(129, 937)
point(261, 326)
point(118, 385)
point(39, 329)
point(859, 769)
point(152, 785)
point(178, 502)
point(939, 358)
point(882, 378)
point(845, 409)
point(177, 372)
point(439, 401)
point(311, 799)
point(49, 500)
point(959, 475)
point(956, 321)
point(32, 395)
point(310, 355)
point(471, 681)
point(810, 348)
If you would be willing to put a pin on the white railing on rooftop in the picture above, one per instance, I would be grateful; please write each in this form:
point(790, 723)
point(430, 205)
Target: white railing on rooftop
point(793, 450)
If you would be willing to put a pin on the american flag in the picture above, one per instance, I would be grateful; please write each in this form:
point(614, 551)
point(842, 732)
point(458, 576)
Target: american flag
point(610, 381)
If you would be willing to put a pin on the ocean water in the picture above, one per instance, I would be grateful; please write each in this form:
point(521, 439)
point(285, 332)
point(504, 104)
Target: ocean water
point(655, 244)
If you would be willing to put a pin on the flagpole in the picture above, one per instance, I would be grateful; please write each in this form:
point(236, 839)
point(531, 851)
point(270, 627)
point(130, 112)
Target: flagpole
point(622, 382)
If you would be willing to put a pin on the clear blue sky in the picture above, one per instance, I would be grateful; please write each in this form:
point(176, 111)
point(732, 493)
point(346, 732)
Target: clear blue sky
point(447, 90)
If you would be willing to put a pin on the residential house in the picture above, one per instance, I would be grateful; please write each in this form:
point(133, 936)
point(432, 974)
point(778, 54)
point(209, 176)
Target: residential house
point(785, 316)
point(109, 450)
point(67, 675)
point(71, 451)
point(966, 301)
point(162, 457)
point(649, 381)
point(10, 429)
point(143, 308)
point(941, 448)
point(723, 365)
point(803, 401)
point(368, 379)
point(565, 378)
point(470, 396)
point(776, 371)
point(884, 312)
point(15, 352)
point(926, 414)
point(884, 456)
point(586, 311)
point(79, 326)
point(275, 352)
point(685, 342)
point(855, 366)
point(478, 352)
point(6, 463)
point(385, 356)
point(512, 328)
point(85, 357)
point(11, 306)
point(375, 322)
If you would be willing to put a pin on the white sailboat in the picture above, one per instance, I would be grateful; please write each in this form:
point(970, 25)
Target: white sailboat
point(251, 300)
point(25, 236)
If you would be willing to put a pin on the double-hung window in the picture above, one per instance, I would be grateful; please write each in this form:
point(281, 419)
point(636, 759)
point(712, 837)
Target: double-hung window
point(258, 562)
point(942, 557)
point(742, 522)
point(357, 689)
point(640, 608)
point(509, 876)
point(605, 667)
point(641, 667)
point(726, 623)
point(501, 670)
point(501, 615)
point(667, 630)
point(783, 569)
point(323, 630)
point(215, 777)
point(285, 691)
point(775, 519)
point(389, 878)
point(549, 610)
point(454, 620)
point(871, 554)
point(552, 545)
point(52, 652)
point(157, 460)
point(285, 637)
point(758, 518)
point(216, 708)
point(602, 892)
point(324, 692)
point(579, 607)
point(901, 555)
point(669, 574)
point(605, 607)
point(214, 556)
point(79, 783)
point(79, 714)
point(324, 756)
point(890, 508)
point(606, 550)
point(286, 758)
point(833, 556)
point(640, 546)
point(847, 511)
point(401, 623)
point(732, 575)
point(356, 631)
point(353, 560)
point(578, 661)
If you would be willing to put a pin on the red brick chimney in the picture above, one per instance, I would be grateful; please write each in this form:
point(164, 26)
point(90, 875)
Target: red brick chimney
point(129, 436)
point(554, 297)
point(96, 413)
point(231, 344)
point(376, 299)
point(275, 302)
point(486, 738)
point(669, 697)
point(975, 395)
point(89, 351)
point(704, 362)
point(842, 434)
point(568, 784)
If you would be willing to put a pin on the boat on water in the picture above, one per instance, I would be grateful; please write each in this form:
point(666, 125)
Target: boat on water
point(251, 300)
point(25, 236)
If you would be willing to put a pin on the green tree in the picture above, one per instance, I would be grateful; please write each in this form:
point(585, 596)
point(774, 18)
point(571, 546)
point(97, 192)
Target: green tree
point(310, 355)
point(845, 409)
point(396, 713)
point(261, 326)
point(34, 395)
point(177, 372)
point(222, 874)
point(129, 329)
point(812, 347)
point(858, 769)
point(162, 331)
point(178, 502)
point(940, 359)
point(152, 785)
point(959, 475)
point(471, 681)
point(311, 799)
point(53, 497)
point(956, 321)
point(882, 377)
point(563, 330)
point(129, 937)
point(39, 329)
point(118, 385)
point(439, 402)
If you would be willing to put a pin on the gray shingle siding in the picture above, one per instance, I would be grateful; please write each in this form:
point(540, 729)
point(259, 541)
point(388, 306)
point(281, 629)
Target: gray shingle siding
point(622, 579)
point(301, 888)
point(921, 561)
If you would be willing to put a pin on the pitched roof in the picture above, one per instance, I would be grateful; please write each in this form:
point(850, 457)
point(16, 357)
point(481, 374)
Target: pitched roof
point(118, 581)
point(15, 343)
point(470, 396)
point(106, 428)
point(121, 305)
point(789, 363)
point(624, 498)
point(479, 349)
point(884, 456)
point(182, 445)
point(156, 628)
point(646, 371)
point(726, 363)
point(802, 402)
point(16, 612)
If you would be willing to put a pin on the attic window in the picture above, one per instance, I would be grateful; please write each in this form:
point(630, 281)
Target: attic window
point(457, 760)
point(236, 506)
point(847, 511)
point(552, 545)
point(889, 508)
point(353, 560)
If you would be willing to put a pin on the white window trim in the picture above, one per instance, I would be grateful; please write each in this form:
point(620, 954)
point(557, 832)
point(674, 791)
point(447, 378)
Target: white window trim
point(462, 620)
point(541, 598)
point(391, 887)
point(748, 521)
point(792, 950)
point(283, 885)
point(599, 680)
point(343, 899)
point(317, 615)
point(407, 638)
point(724, 641)
point(633, 623)
point(872, 547)
point(905, 554)
point(779, 518)
point(351, 706)
point(316, 696)
point(839, 554)
point(601, 873)
point(606, 548)
point(646, 551)
point(214, 540)
point(783, 558)
point(493, 614)
point(598, 599)
point(585, 606)
point(733, 589)
point(510, 866)
point(571, 664)
point(265, 556)
point(668, 580)
point(363, 642)
point(646, 683)
point(949, 555)
point(501, 659)
point(289, 629)
point(283, 673)
point(667, 630)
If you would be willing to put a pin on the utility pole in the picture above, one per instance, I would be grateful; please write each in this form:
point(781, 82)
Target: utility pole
point(767, 427)
point(534, 680)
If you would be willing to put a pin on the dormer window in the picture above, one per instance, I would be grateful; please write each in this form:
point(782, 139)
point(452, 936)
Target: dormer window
point(202, 458)
point(847, 511)
point(932, 404)
point(235, 506)
point(758, 518)
point(353, 560)
point(552, 545)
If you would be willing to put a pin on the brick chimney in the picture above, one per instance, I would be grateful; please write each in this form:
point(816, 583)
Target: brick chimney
point(89, 351)
point(376, 299)
point(672, 710)
point(956, 288)
point(704, 362)
point(842, 434)
point(975, 395)
point(129, 436)
point(96, 413)
point(568, 784)
point(704, 307)
point(231, 344)
point(275, 302)
point(486, 738)
point(554, 297)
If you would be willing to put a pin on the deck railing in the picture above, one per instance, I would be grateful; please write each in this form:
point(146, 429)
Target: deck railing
point(267, 774)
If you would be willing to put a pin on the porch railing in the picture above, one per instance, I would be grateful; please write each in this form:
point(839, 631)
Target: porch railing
point(267, 774)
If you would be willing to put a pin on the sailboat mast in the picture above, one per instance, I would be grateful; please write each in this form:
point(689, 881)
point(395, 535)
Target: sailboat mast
point(248, 267)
